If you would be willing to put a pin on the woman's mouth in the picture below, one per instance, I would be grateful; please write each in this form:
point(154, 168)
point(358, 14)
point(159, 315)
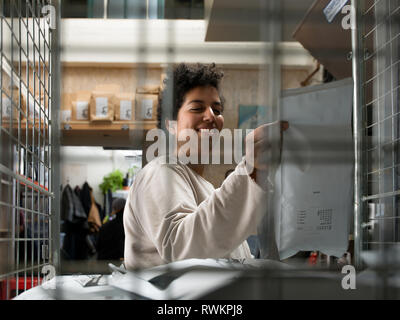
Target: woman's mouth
point(208, 132)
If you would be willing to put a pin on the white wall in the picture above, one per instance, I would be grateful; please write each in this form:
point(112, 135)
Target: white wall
point(150, 41)
point(91, 164)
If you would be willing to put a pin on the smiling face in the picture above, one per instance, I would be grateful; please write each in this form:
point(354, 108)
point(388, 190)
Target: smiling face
point(201, 109)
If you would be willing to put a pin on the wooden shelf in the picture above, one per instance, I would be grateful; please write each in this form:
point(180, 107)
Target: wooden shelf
point(108, 126)
point(117, 134)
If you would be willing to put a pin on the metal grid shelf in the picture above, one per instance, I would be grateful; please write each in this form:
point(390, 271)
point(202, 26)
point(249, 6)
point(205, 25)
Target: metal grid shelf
point(378, 88)
point(26, 171)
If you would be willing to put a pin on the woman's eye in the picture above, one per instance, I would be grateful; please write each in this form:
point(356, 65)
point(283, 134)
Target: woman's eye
point(217, 112)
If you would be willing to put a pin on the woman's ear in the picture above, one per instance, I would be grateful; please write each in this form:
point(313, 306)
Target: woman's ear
point(170, 125)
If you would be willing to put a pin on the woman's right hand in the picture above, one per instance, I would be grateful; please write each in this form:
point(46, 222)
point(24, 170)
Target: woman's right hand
point(259, 143)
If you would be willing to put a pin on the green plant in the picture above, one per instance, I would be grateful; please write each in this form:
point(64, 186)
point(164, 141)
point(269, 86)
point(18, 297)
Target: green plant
point(132, 171)
point(113, 181)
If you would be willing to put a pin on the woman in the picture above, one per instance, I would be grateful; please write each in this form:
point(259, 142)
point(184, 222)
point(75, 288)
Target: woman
point(172, 212)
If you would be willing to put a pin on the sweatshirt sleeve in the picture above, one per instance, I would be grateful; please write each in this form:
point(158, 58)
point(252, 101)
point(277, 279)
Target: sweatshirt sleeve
point(165, 205)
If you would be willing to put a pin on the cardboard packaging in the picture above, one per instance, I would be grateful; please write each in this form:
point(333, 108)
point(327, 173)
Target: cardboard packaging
point(80, 105)
point(147, 102)
point(124, 107)
point(328, 42)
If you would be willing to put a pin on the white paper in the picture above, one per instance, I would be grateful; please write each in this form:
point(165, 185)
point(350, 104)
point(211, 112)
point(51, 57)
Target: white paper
point(82, 110)
point(314, 184)
point(101, 107)
point(65, 115)
point(68, 288)
point(125, 110)
point(199, 277)
point(147, 108)
point(333, 8)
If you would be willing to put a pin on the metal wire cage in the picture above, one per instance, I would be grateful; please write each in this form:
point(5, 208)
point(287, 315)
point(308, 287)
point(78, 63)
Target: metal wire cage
point(376, 66)
point(26, 197)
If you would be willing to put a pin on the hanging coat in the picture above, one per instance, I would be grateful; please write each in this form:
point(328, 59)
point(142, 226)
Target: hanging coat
point(76, 226)
point(94, 216)
point(71, 207)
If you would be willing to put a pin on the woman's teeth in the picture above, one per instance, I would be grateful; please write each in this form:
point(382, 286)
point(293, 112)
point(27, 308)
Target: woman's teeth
point(208, 132)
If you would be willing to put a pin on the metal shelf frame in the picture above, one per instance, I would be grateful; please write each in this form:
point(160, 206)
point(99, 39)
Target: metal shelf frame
point(376, 72)
point(28, 140)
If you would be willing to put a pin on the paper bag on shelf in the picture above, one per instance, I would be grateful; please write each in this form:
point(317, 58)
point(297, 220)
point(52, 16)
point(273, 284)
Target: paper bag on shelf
point(124, 107)
point(32, 106)
point(146, 106)
point(102, 104)
point(10, 104)
point(66, 107)
point(147, 102)
point(80, 105)
point(150, 89)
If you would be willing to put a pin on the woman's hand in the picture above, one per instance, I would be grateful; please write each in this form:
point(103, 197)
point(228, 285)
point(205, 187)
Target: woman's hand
point(258, 146)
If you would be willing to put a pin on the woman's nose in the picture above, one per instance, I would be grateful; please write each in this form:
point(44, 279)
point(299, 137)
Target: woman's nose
point(209, 115)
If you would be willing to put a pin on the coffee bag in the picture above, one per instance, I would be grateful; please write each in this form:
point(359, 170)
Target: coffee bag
point(66, 107)
point(147, 102)
point(10, 104)
point(80, 105)
point(102, 104)
point(124, 107)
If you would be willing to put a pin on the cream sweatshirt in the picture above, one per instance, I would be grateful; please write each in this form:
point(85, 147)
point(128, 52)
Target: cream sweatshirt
point(172, 213)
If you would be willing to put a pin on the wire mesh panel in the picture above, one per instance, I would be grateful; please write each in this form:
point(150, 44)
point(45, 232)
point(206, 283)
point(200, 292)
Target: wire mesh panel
point(25, 132)
point(379, 34)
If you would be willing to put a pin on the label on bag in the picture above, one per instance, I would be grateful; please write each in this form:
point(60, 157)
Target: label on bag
point(125, 110)
point(65, 115)
point(101, 107)
point(6, 107)
point(82, 110)
point(147, 109)
point(33, 109)
point(333, 8)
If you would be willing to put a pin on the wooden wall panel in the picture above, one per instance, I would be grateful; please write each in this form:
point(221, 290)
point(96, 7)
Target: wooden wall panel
point(87, 78)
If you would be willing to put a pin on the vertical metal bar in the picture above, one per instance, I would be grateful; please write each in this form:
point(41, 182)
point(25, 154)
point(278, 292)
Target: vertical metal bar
point(171, 52)
point(393, 135)
point(54, 156)
point(1, 86)
point(358, 57)
point(39, 248)
point(380, 120)
point(26, 151)
point(271, 33)
point(11, 158)
point(1, 74)
point(18, 147)
point(396, 123)
point(105, 15)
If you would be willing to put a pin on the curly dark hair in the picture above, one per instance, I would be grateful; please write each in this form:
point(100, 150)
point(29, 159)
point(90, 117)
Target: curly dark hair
point(182, 79)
